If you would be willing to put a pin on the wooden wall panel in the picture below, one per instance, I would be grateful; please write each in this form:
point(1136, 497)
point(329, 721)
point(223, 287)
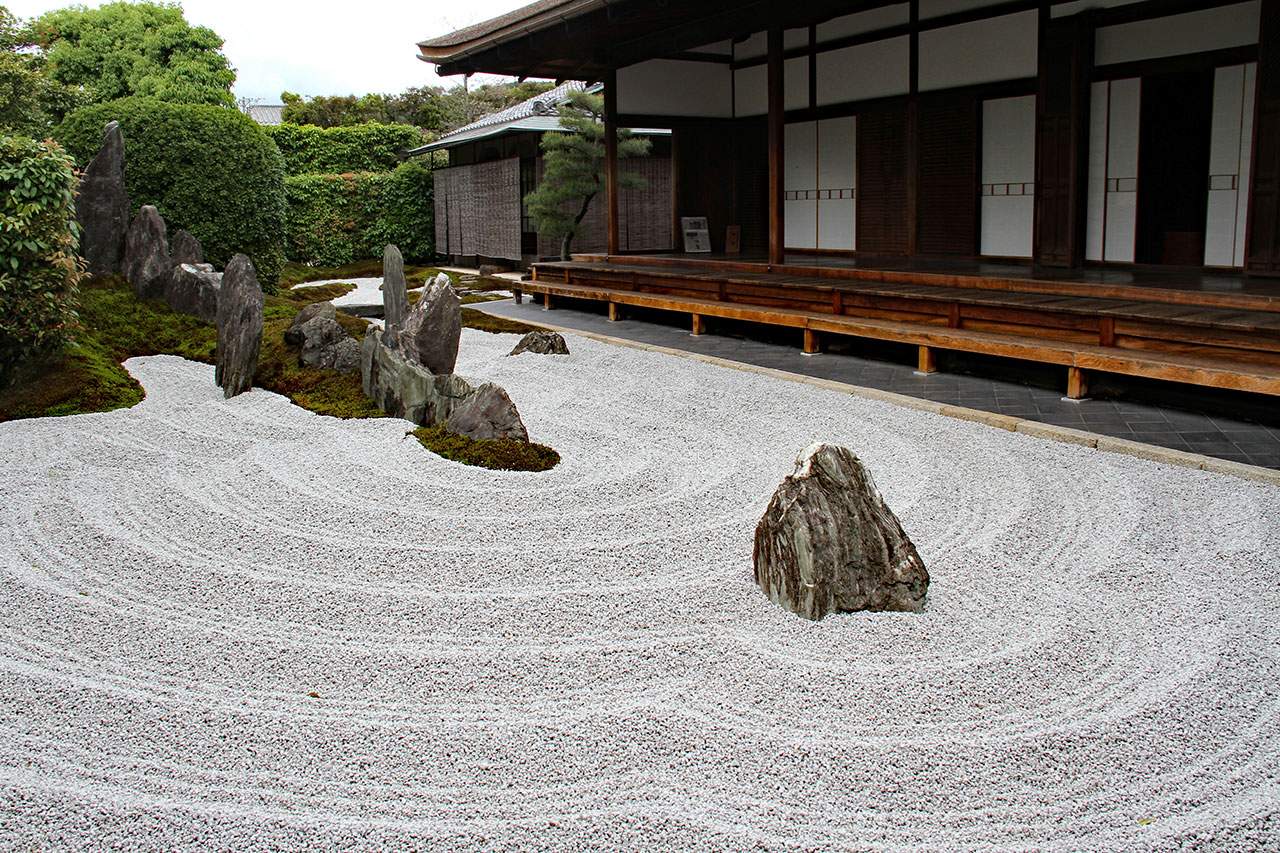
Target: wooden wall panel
point(1062, 137)
point(882, 181)
point(947, 210)
point(1262, 253)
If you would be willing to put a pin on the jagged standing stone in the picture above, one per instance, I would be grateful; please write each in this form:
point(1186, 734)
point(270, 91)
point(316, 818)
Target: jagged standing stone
point(546, 343)
point(239, 327)
point(185, 249)
point(404, 388)
point(828, 543)
point(102, 205)
point(146, 254)
point(395, 294)
point(429, 333)
point(488, 414)
point(194, 291)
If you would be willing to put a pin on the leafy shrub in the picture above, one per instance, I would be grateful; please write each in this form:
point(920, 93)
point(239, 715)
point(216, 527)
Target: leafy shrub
point(338, 219)
point(310, 150)
point(39, 271)
point(207, 169)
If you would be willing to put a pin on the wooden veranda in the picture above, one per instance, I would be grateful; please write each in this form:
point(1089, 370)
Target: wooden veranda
point(1210, 329)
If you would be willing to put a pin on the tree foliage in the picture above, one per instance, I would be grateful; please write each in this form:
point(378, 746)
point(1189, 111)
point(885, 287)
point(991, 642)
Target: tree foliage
point(432, 108)
point(125, 49)
point(359, 148)
point(574, 168)
point(31, 101)
point(210, 170)
point(39, 270)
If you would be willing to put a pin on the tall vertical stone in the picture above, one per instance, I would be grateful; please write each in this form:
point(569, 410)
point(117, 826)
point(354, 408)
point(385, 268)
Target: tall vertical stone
point(185, 249)
point(102, 205)
point(239, 327)
point(395, 296)
point(430, 332)
point(146, 254)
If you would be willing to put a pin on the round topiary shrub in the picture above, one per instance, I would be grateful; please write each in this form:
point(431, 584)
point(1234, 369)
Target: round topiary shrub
point(39, 271)
point(211, 170)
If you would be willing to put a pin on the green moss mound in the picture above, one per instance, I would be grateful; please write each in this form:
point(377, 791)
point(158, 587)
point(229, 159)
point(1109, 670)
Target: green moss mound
point(504, 455)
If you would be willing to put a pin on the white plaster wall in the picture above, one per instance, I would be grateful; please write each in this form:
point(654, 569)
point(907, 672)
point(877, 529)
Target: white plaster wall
point(801, 224)
point(1192, 32)
point(837, 181)
point(937, 8)
point(874, 70)
point(1096, 193)
point(1060, 10)
point(800, 150)
point(1122, 169)
point(1003, 48)
point(795, 38)
point(755, 45)
point(751, 91)
point(1231, 129)
point(676, 88)
point(1008, 176)
point(796, 83)
point(864, 22)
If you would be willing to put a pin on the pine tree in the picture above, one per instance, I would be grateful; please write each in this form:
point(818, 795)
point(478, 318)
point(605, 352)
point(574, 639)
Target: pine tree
point(574, 168)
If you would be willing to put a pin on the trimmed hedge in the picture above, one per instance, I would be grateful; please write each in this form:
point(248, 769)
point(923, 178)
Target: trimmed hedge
point(210, 170)
point(337, 219)
point(369, 147)
point(39, 271)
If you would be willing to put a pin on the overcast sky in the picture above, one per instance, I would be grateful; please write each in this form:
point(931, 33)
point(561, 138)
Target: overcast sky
point(322, 47)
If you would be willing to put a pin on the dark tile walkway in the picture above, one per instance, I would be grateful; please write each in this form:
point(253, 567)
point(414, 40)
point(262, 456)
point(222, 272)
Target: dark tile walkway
point(1242, 428)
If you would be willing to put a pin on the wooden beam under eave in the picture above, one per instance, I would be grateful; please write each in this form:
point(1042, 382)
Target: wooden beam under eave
point(611, 161)
point(776, 130)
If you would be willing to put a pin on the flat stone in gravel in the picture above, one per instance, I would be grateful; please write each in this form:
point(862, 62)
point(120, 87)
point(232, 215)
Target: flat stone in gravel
point(404, 388)
point(828, 542)
point(239, 327)
point(429, 333)
point(545, 343)
point(488, 414)
point(395, 298)
point(146, 254)
point(102, 205)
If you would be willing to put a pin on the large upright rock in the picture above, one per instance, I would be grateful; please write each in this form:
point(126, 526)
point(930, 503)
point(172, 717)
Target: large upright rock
point(146, 254)
point(488, 414)
point(429, 334)
point(395, 294)
point(828, 542)
point(185, 249)
point(239, 327)
point(102, 205)
point(404, 388)
point(193, 291)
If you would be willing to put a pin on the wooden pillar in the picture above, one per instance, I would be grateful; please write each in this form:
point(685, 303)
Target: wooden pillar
point(928, 362)
point(699, 324)
point(546, 302)
point(1262, 246)
point(777, 127)
point(1107, 331)
point(611, 161)
point(613, 312)
point(911, 184)
point(1062, 140)
point(810, 341)
point(1077, 383)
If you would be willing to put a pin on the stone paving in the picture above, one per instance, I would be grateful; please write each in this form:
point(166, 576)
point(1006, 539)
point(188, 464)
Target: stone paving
point(1239, 428)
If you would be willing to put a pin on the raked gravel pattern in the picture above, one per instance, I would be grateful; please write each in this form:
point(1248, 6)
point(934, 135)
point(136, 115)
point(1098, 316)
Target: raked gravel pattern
point(237, 625)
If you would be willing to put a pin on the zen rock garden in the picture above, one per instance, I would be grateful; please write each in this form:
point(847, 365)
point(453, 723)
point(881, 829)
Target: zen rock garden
point(828, 542)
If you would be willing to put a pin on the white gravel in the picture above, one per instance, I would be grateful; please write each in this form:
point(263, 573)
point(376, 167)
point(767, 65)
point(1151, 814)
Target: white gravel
point(236, 625)
point(368, 291)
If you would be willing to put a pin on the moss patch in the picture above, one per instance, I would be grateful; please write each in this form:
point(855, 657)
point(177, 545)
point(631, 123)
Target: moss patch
point(318, 293)
point(473, 319)
point(498, 455)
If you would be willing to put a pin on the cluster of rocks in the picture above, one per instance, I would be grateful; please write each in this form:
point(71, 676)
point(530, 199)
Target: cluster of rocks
point(177, 274)
point(323, 340)
point(828, 542)
point(407, 367)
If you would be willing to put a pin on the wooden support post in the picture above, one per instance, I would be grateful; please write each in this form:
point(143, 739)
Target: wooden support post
point(546, 302)
point(613, 312)
point(810, 341)
point(1107, 331)
point(953, 315)
point(518, 294)
point(928, 360)
point(837, 302)
point(699, 324)
point(1077, 383)
point(611, 161)
point(776, 130)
